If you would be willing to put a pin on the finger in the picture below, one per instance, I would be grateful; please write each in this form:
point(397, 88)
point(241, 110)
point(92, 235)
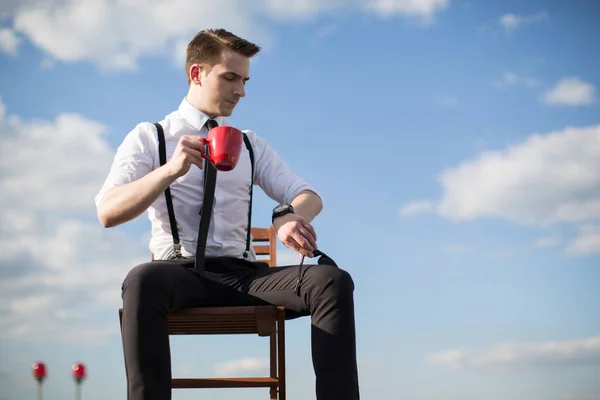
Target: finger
point(193, 142)
point(294, 245)
point(309, 236)
point(303, 242)
point(307, 231)
point(310, 228)
point(193, 152)
point(194, 157)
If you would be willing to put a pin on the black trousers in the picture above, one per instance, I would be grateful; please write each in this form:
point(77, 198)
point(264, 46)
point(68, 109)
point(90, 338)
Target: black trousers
point(152, 290)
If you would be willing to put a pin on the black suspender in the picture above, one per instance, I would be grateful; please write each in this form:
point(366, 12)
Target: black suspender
point(162, 154)
point(249, 147)
point(163, 159)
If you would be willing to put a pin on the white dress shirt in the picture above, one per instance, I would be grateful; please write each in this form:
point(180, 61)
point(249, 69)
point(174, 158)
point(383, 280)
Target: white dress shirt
point(138, 155)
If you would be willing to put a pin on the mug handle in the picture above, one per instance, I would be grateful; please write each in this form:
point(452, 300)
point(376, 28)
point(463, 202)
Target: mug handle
point(205, 142)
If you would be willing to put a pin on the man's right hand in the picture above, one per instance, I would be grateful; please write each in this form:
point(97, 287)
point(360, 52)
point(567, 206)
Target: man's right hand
point(125, 202)
point(188, 152)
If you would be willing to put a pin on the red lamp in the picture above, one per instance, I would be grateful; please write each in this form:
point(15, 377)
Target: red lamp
point(39, 371)
point(39, 374)
point(79, 375)
point(78, 372)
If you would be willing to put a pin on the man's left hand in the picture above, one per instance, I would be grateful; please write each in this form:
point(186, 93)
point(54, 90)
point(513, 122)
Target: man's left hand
point(296, 233)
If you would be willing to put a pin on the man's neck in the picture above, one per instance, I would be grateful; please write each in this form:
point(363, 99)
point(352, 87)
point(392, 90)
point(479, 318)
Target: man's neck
point(197, 105)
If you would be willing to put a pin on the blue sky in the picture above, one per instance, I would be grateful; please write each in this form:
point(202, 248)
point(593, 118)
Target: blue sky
point(456, 145)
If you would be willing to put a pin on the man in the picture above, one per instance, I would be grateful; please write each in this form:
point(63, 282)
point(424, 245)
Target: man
point(217, 69)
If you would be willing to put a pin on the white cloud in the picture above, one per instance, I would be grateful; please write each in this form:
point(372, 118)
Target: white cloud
point(60, 269)
point(116, 34)
point(452, 357)
point(245, 367)
point(423, 9)
point(522, 353)
point(546, 241)
point(546, 179)
point(70, 151)
point(416, 207)
point(510, 78)
point(298, 9)
point(587, 242)
point(9, 42)
point(510, 22)
point(571, 91)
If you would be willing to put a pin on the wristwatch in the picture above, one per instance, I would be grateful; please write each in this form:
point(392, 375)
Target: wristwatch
point(281, 210)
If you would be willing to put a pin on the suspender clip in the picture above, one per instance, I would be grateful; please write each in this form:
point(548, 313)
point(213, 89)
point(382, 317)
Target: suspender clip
point(177, 248)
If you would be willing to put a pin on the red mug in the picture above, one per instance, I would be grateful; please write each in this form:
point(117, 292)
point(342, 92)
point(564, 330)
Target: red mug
point(224, 145)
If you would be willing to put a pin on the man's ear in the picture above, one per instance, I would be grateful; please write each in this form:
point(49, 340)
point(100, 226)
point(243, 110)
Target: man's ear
point(198, 72)
point(195, 74)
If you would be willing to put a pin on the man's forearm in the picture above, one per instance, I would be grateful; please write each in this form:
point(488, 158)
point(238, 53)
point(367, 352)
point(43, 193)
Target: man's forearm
point(126, 202)
point(307, 204)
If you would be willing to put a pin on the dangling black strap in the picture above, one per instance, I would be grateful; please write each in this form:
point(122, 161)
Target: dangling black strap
point(210, 183)
point(249, 147)
point(162, 153)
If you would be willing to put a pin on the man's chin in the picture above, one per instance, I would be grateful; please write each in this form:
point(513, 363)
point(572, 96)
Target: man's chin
point(226, 111)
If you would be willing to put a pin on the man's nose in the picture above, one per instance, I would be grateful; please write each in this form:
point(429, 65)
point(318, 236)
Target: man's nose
point(240, 90)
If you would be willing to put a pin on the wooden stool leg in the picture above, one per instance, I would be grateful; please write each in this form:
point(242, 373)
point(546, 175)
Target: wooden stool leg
point(281, 345)
point(273, 356)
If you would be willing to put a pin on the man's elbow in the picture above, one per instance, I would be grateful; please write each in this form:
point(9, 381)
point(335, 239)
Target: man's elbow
point(106, 216)
point(105, 219)
point(319, 202)
point(105, 211)
point(315, 200)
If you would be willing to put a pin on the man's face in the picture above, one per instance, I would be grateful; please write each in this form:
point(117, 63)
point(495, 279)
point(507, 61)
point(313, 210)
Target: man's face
point(222, 86)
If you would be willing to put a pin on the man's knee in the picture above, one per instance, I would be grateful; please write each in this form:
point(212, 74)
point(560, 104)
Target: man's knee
point(333, 280)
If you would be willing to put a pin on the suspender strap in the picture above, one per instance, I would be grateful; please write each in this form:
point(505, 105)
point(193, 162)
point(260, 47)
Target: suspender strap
point(162, 154)
point(249, 147)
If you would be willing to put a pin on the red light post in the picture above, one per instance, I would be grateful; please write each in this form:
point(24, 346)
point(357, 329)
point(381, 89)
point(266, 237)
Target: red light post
point(79, 376)
point(39, 374)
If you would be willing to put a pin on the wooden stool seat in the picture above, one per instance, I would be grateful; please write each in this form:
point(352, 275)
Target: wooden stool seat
point(223, 321)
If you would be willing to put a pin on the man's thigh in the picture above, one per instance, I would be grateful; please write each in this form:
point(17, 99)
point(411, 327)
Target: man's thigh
point(276, 285)
point(178, 283)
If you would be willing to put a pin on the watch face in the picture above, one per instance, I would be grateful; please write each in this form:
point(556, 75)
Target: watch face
point(283, 209)
point(280, 208)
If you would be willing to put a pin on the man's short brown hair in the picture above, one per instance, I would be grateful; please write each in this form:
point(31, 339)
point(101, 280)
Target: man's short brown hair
point(208, 44)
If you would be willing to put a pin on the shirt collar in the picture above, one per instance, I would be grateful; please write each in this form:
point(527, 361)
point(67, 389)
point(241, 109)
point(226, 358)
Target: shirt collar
point(195, 117)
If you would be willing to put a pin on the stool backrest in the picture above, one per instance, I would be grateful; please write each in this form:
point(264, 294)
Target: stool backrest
point(264, 252)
